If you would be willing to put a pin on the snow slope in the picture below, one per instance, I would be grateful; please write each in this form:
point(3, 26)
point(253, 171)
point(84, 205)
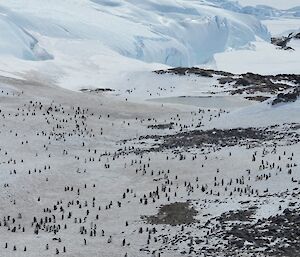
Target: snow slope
point(263, 59)
point(282, 26)
point(263, 114)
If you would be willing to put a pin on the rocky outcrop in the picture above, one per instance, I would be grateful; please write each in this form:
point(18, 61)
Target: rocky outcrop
point(288, 97)
point(282, 42)
point(247, 83)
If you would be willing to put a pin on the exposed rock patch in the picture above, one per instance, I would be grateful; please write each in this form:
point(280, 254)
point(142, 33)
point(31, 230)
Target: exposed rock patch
point(258, 98)
point(162, 126)
point(174, 214)
point(282, 42)
point(288, 97)
point(280, 231)
point(248, 83)
point(97, 90)
point(220, 138)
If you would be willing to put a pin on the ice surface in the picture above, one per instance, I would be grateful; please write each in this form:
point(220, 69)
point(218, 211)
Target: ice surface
point(175, 33)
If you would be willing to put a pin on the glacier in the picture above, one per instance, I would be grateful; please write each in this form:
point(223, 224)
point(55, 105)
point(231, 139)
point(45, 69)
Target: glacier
point(17, 41)
point(175, 33)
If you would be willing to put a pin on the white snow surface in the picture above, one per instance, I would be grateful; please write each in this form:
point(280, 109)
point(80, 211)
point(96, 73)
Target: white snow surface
point(263, 58)
point(282, 26)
